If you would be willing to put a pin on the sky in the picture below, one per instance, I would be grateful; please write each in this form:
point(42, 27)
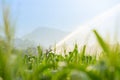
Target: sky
point(65, 15)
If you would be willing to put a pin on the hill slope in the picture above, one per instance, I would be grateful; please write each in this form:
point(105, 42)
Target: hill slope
point(45, 36)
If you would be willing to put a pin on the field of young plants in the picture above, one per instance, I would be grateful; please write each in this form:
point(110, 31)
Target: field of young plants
point(49, 66)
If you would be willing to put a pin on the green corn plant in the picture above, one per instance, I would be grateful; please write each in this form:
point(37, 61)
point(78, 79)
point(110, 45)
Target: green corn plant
point(102, 43)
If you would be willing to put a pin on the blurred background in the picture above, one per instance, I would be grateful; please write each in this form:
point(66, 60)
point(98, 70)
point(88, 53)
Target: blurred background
point(46, 22)
point(65, 15)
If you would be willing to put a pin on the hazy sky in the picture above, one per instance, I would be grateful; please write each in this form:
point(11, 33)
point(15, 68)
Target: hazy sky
point(61, 14)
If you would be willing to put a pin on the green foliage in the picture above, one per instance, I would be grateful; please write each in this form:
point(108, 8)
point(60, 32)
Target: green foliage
point(49, 66)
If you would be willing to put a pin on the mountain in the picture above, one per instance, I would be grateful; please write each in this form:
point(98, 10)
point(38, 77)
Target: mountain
point(23, 44)
point(45, 36)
